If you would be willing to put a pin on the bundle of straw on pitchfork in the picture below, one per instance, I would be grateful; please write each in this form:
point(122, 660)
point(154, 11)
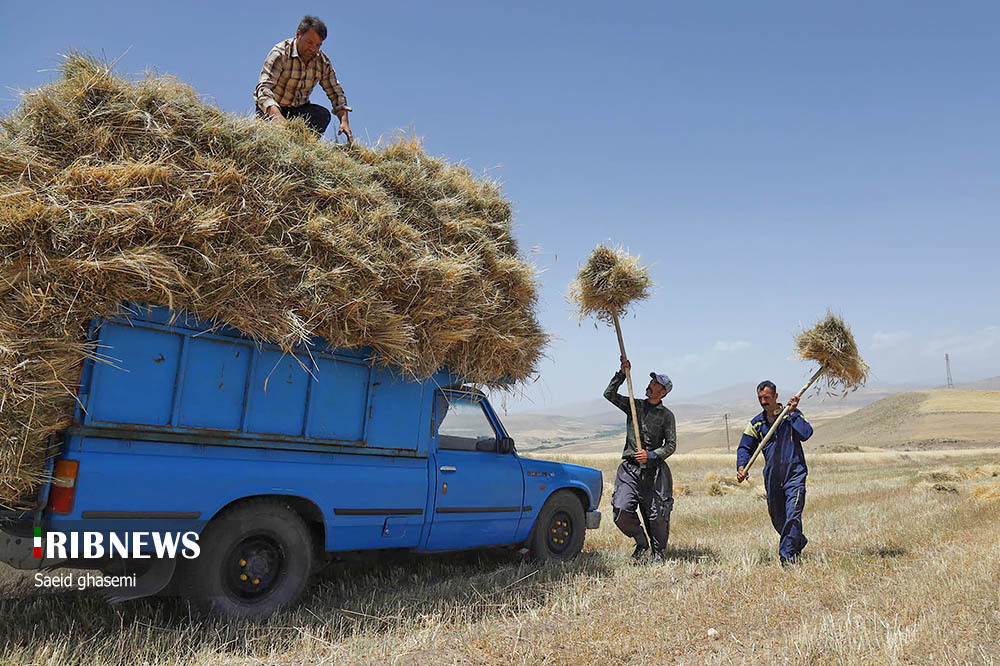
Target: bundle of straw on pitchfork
point(841, 368)
point(606, 286)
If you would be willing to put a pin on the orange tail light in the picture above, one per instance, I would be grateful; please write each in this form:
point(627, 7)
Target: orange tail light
point(63, 490)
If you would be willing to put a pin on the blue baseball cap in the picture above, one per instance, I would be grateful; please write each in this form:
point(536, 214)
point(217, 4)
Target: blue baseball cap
point(662, 380)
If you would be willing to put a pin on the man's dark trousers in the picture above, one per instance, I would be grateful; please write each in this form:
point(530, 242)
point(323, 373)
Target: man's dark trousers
point(317, 117)
point(650, 491)
point(785, 502)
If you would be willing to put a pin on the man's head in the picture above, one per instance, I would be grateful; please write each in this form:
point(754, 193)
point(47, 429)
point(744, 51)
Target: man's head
point(309, 37)
point(659, 386)
point(767, 395)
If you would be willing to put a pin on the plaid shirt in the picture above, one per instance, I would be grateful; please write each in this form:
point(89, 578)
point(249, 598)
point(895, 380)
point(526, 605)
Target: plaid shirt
point(286, 81)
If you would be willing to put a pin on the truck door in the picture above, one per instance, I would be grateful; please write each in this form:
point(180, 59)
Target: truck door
point(479, 490)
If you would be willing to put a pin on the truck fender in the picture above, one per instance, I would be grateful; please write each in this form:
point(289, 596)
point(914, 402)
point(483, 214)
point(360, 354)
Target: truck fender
point(579, 489)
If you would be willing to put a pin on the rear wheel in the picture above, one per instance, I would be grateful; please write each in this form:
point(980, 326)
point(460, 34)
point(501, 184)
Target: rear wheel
point(559, 529)
point(255, 558)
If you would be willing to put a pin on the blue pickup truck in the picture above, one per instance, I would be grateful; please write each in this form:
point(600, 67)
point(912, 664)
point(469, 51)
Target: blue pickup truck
point(278, 462)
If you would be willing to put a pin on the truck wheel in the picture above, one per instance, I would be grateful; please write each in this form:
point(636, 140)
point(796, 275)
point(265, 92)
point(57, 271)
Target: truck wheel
point(255, 558)
point(559, 529)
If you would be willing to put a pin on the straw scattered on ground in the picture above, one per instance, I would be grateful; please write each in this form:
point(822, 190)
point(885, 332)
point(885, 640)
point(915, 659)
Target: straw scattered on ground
point(115, 191)
point(889, 577)
point(831, 344)
point(608, 283)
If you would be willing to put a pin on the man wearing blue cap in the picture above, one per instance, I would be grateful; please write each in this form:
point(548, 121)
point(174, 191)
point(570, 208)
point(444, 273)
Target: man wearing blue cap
point(643, 482)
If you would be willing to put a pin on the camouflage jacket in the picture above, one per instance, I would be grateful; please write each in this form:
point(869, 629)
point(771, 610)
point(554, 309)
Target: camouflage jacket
point(656, 423)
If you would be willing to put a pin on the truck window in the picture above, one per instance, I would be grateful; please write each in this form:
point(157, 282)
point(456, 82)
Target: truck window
point(464, 425)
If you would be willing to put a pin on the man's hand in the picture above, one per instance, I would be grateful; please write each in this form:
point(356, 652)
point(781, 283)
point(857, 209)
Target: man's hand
point(345, 126)
point(626, 364)
point(641, 456)
point(793, 404)
point(741, 474)
point(274, 114)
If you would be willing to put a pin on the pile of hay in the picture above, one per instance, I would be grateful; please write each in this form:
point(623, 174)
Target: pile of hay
point(115, 191)
point(831, 344)
point(987, 494)
point(609, 281)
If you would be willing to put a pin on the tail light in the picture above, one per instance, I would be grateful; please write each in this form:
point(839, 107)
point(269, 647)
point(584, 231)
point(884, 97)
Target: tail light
point(63, 490)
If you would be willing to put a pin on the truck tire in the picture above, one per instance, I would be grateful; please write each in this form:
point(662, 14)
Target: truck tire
point(559, 529)
point(255, 558)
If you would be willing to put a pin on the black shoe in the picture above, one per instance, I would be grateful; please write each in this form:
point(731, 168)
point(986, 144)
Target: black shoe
point(639, 552)
point(658, 556)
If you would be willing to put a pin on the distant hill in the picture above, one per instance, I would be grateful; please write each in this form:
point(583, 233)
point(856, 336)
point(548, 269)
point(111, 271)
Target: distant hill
point(884, 417)
point(938, 418)
point(991, 384)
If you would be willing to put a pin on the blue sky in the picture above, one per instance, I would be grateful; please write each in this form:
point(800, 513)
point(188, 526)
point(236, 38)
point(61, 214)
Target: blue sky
point(769, 159)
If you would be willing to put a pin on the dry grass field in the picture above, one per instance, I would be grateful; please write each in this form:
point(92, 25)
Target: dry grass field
point(902, 567)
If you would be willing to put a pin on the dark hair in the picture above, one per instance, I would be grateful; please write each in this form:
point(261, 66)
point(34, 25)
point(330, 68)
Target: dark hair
point(767, 383)
point(311, 23)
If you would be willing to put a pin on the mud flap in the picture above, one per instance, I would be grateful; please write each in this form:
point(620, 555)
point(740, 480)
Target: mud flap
point(155, 579)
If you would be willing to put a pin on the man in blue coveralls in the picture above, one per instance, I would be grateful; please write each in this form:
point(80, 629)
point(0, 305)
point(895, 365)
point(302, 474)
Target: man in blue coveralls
point(784, 467)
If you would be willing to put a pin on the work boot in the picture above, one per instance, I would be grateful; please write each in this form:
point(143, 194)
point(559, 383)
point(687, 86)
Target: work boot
point(639, 552)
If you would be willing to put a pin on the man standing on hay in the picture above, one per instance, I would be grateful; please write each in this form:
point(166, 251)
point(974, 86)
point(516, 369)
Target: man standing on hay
point(291, 71)
point(643, 482)
point(784, 467)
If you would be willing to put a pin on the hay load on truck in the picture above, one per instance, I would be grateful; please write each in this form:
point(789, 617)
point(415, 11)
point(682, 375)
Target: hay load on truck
point(209, 324)
point(278, 463)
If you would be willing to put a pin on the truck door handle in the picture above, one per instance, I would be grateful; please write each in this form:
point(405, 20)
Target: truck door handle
point(448, 468)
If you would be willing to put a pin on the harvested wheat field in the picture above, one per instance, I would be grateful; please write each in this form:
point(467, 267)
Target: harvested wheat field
point(897, 571)
point(115, 191)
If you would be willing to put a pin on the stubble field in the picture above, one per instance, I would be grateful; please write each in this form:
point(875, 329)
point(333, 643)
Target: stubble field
point(902, 567)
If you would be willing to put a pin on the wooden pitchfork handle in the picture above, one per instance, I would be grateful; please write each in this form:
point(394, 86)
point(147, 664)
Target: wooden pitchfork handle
point(631, 395)
point(777, 421)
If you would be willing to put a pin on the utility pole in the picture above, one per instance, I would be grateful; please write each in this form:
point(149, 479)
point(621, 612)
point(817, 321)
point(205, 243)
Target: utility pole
point(726, 417)
point(947, 365)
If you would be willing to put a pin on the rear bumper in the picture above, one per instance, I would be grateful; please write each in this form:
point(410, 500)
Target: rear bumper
point(593, 520)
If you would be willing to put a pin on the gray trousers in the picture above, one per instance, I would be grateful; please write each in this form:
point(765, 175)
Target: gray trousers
point(651, 492)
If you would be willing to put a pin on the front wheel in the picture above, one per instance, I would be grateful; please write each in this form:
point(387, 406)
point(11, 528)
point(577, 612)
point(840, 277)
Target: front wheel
point(255, 558)
point(559, 529)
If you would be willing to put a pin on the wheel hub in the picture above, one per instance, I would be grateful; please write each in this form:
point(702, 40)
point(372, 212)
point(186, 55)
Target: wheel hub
point(254, 566)
point(560, 532)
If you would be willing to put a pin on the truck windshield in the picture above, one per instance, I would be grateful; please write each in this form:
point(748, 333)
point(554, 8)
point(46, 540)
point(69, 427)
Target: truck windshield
point(464, 425)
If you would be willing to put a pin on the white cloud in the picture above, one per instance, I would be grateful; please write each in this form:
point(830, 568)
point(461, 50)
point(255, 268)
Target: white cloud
point(889, 339)
point(730, 347)
point(705, 358)
point(970, 344)
point(684, 362)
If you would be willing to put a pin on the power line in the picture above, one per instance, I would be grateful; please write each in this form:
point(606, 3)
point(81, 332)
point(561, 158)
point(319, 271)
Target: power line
point(947, 365)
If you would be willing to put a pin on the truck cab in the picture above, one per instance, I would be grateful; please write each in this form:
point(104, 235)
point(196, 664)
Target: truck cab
point(274, 462)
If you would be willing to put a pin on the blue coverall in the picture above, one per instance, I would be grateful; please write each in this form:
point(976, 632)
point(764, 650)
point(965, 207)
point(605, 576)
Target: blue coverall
point(784, 476)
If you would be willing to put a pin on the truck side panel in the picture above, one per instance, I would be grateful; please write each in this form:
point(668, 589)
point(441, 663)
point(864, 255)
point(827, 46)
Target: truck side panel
point(366, 501)
point(189, 379)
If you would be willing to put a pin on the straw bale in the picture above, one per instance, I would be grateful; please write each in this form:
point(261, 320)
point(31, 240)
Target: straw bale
point(831, 344)
point(943, 474)
point(608, 283)
point(987, 494)
point(115, 191)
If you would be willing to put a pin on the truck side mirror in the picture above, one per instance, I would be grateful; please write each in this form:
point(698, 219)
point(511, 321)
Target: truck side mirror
point(506, 445)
